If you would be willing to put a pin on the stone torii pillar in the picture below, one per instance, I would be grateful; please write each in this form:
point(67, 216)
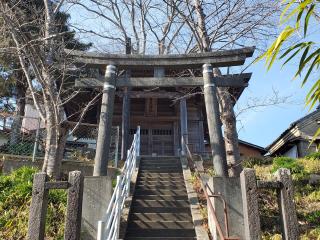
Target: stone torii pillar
point(105, 123)
point(214, 124)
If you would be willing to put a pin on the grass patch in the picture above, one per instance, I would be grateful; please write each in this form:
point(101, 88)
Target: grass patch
point(15, 199)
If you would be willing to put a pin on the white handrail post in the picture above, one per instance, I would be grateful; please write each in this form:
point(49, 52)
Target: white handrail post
point(129, 175)
point(117, 147)
point(100, 232)
point(138, 146)
point(118, 204)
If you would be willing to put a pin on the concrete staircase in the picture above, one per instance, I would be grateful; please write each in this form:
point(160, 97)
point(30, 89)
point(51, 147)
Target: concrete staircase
point(160, 208)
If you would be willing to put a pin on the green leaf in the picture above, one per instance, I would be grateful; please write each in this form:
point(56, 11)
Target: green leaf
point(311, 56)
point(313, 95)
point(300, 8)
point(285, 9)
point(292, 56)
point(315, 135)
point(284, 35)
point(310, 69)
point(290, 49)
point(303, 57)
point(306, 21)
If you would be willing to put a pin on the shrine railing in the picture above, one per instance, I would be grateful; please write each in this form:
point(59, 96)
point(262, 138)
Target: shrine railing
point(205, 187)
point(109, 226)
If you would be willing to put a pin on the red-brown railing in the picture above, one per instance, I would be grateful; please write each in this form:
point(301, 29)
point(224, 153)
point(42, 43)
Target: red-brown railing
point(205, 187)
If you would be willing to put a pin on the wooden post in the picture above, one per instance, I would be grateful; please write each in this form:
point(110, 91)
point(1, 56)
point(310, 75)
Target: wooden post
point(105, 123)
point(38, 208)
point(176, 139)
point(183, 125)
point(290, 226)
point(125, 126)
point(125, 122)
point(201, 131)
point(74, 206)
point(214, 124)
point(250, 204)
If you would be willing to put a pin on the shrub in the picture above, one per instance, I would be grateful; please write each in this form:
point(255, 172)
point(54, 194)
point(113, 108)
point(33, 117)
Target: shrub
point(15, 199)
point(313, 217)
point(311, 165)
point(254, 161)
point(312, 234)
point(285, 162)
point(314, 155)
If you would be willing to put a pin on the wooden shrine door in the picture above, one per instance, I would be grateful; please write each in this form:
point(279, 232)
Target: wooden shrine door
point(157, 139)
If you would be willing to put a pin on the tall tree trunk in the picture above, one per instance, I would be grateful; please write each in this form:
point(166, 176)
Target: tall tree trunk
point(20, 107)
point(228, 120)
point(61, 147)
point(226, 104)
point(56, 134)
point(56, 137)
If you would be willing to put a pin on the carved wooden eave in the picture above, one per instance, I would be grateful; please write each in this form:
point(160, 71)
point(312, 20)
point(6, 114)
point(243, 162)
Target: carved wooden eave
point(223, 58)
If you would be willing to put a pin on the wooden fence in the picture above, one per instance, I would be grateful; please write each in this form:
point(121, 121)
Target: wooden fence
point(284, 187)
point(38, 209)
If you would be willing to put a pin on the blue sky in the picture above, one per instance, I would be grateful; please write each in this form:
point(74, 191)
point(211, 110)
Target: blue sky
point(263, 125)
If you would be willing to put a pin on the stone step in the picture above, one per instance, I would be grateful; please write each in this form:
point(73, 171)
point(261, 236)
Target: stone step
point(161, 175)
point(157, 174)
point(174, 170)
point(160, 209)
point(161, 216)
point(161, 197)
point(159, 158)
point(160, 183)
point(160, 238)
point(167, 161)
point(158, 166)
point(171, 192)
point(160, 203)
point(164, 233)
point(160, 161)
point(148, 187)
point(146, 179)
point(165, 225)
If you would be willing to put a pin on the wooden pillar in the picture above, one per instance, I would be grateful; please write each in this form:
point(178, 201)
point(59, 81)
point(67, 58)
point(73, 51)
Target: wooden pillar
point(201, 131)
point(105, 123)
point(176, 138)
point(250, 204)
point(125, 126)
point(214, 124)
point(38, 208)
point(183, 125)
point(290, 225)
point(74, 206)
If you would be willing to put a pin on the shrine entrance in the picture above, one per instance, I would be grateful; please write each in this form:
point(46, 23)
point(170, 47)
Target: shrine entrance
point(139, 91)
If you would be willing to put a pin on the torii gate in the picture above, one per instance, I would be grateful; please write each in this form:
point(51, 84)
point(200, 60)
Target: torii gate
point(116, 62)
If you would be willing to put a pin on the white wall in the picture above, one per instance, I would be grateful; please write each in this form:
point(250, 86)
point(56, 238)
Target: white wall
point(292, 152)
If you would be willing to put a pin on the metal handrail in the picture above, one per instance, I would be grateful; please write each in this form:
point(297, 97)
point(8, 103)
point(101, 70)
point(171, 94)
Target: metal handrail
point(109, 225)
point(204, 187)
